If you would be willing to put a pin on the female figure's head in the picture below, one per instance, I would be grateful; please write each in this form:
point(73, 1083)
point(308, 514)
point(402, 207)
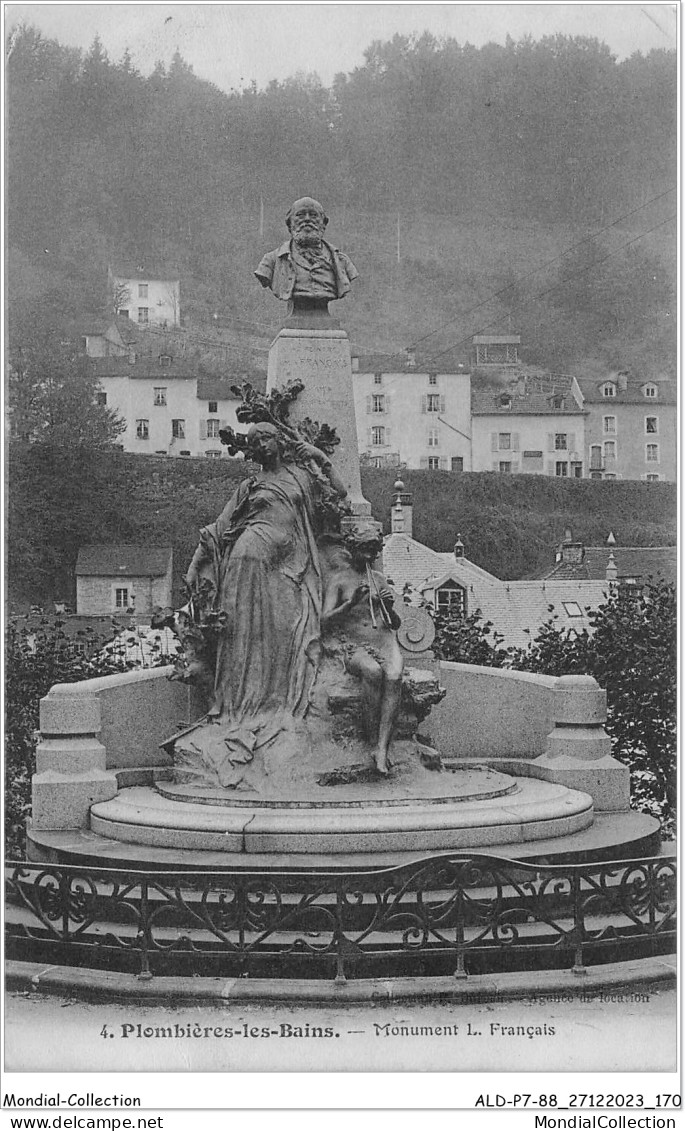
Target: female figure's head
point(264, 444)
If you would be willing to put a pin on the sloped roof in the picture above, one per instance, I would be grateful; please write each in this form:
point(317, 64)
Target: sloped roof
point(488, 402)
point(591, 388)
point(219, 388)
point(123, 561)
point(145, 368)
point(129, 269)
point(399, 363)
point(517, 609)
point(639, 562)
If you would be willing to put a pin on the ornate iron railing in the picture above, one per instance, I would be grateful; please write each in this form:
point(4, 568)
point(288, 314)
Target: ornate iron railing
point(453, 914)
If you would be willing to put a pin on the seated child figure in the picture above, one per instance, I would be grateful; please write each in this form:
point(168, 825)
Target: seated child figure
point(358, 612)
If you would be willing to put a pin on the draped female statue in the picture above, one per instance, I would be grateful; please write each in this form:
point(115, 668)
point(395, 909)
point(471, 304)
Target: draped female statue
point(257, 568)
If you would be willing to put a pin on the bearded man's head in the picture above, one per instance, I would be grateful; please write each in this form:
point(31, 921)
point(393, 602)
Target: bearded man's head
point(306, 222)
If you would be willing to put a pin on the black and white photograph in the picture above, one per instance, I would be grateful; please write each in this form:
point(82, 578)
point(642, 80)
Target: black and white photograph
point(341, 563)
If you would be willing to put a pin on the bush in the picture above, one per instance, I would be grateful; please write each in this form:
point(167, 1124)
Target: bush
point(631, 651)
point(34, 661)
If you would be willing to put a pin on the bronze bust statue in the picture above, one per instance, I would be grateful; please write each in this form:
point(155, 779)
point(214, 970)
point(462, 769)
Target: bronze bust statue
point(306, 269)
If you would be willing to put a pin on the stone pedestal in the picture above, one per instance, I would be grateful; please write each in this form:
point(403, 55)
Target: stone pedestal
point(578, 750)
point(70, 761)
point(319, 356)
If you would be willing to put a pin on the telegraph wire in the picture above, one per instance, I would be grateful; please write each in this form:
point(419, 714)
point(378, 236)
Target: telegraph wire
point(543, 266)
point(556, 286)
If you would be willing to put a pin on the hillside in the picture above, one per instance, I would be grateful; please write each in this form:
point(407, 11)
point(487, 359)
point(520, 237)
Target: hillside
point(59, 500)
point(529, 186)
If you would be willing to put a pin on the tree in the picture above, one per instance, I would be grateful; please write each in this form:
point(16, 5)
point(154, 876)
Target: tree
point(54, 395)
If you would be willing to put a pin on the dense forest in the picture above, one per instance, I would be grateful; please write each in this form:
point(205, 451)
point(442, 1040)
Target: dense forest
point(530, 185)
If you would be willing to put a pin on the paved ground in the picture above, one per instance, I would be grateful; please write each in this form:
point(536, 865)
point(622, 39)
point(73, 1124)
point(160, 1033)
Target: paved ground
point(630, 1029)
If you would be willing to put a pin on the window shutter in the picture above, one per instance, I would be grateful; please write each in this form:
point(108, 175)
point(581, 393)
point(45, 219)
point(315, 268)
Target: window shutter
point(442, 404)
point(494, 441)
point(387, 437)
point(388, 404)
point(443, 464)
point(368, 404)
point(515, 467)
point(424, 404)
point(203, 429)
point(550, 467)
point(550, 441)
point(572, 441)
point(515, 443)
point(495, 465)
point(369, 437)
point(424, 462)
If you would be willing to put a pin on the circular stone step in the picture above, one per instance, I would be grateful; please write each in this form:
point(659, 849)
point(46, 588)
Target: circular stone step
point(536, 810)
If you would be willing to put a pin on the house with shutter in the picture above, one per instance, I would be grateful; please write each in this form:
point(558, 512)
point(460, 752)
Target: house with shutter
point(631, 427)
point(451, 583)
point(123, 579)
point(410, 416)
point(170, 406)
point(144, 293)
point(524, 431)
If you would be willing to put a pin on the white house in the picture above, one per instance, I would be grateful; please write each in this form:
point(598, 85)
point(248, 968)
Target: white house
point(145, 294)
point(123, 578)
point(420, 419)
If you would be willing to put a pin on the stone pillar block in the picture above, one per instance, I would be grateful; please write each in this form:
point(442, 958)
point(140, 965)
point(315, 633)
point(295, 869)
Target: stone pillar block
point(70, 761)
point(578, 751)
point(63, 801)
point(321, 359)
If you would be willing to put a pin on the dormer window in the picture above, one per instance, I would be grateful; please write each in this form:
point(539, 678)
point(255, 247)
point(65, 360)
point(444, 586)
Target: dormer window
point(650, 391)
point(450, 598)
point(164, 361)
point(608, 389)
point(505, 400)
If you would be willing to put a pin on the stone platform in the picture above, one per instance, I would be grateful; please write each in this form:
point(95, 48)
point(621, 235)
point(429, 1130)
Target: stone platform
point(532, 810)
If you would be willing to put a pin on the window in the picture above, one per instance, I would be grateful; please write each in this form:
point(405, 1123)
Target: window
point(213, 454)
point(560, 441)
point(165, 361)
point(121, 600)
point(178, 429)
point(122, 313)
point(378, 378)
point(573, 609)
point(378, 435)
point(577, 470)
point(101, 400)
point(432, 378)
point(561, 469)
point(433, 402)
point(609, 390)
point(434, 463)
point(610, 424)
point(505, 466)
point(650, 391)
point(142, 430)
point(143, 314)
point(159, 397)
point(652, 453)
point(610, 475)
point(457, 463)
point(652, 424)
point(451, 598)
point(504, 440)
point(142, 290)
point(213, 429)
point(433, 438)
point(378, 403)
point(212, 406)
point(595, 458)
point(609, 449)
point(595, 475)
point(652, 477)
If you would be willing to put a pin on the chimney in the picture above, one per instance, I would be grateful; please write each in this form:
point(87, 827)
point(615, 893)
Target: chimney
point(571, 553)
point(401, 510)
point(612, 571)
point(459, 547)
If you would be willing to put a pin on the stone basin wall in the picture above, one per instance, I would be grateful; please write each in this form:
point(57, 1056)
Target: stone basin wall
point(97, 733)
